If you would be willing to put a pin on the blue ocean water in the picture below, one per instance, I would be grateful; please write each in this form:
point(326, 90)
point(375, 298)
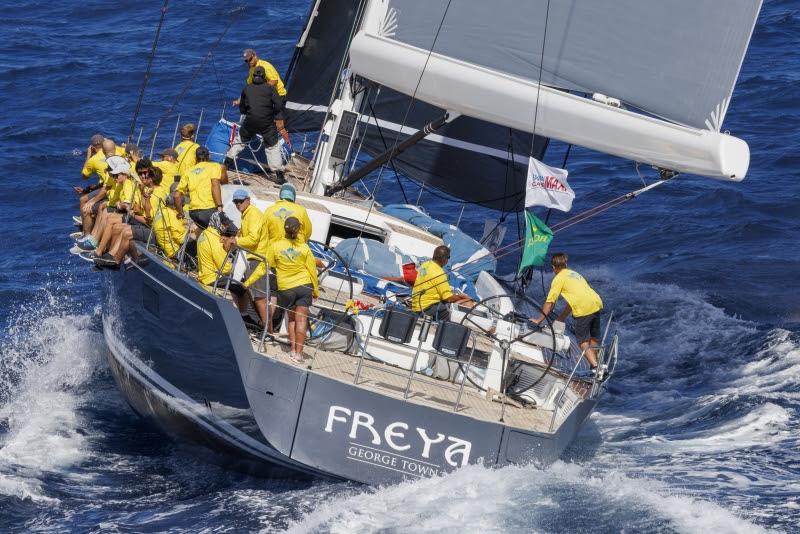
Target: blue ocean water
point(699, 431)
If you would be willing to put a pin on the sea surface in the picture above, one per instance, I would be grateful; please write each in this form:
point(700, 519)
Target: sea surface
point(699, 431)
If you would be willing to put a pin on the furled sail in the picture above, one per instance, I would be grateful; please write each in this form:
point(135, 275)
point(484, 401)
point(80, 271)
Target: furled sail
point(677, 61)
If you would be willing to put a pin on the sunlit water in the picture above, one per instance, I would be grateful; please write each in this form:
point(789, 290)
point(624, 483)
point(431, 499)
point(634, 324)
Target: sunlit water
point(699, 428)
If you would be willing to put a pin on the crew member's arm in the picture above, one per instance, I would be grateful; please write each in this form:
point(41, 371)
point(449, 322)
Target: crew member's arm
point(242, 103)
point(183, 187)
point(216, 194)
point(223, 173)
point(548, 307)
point(277, 104)
point(305, 223)
point(311, 267)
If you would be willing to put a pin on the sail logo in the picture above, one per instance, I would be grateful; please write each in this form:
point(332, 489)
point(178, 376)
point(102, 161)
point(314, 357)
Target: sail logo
point(547, 182)
point(385, 443)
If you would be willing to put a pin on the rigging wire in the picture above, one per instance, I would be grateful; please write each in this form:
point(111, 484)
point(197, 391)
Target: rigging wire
point(385, 146)
point(234, 15)
point(147, 70)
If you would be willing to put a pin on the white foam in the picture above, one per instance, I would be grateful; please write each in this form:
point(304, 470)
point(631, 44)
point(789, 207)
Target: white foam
point(45, 361)
point(515, 499)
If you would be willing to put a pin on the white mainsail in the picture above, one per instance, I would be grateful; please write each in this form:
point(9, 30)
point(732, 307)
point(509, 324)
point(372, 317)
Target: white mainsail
point(676, 61)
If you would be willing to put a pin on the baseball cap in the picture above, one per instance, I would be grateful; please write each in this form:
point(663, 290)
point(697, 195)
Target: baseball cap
point(248, 53)
point(169, 152)
point(202, 152)
point(96, 140)
point(259, 74)
point(287, 192)
point(117, 165)
point(240, 194)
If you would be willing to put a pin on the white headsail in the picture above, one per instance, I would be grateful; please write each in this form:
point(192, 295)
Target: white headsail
point(674, 62)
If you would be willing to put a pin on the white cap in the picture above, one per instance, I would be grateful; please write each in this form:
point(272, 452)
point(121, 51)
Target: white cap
point(118, 164)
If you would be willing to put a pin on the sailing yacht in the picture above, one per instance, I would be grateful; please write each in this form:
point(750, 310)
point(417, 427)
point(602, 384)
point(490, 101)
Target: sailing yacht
point(459, 97)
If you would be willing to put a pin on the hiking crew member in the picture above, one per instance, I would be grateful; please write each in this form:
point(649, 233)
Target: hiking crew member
point(582, 301)
point(262, 108)
point(168, 229)
point(296, 270)
point(186, 150)
point(97, 164)
point(432, 292)
point(202, 184)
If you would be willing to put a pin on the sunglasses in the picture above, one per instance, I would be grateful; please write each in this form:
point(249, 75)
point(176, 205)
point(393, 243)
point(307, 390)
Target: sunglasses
point(239, 201)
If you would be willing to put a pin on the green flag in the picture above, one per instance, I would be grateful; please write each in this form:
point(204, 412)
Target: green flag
point(537, 240)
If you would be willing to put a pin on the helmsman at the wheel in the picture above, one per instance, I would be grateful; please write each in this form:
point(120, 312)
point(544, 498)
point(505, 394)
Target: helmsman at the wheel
point(432, 291)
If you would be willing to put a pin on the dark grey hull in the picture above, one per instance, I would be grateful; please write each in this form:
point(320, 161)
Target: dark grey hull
point(183, 359)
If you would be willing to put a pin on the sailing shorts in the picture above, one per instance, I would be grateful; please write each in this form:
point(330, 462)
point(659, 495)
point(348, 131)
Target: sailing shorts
point(257, 289)
point(438, 312)
point(141, 232)
point(587, 327)
point(296, 296)
point(201, 217)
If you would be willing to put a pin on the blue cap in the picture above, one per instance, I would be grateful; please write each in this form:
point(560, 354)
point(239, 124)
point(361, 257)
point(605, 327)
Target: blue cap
point(240, 194)
point(287, 192)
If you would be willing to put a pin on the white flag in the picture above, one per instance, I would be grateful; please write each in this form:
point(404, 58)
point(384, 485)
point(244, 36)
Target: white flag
point(548, 187)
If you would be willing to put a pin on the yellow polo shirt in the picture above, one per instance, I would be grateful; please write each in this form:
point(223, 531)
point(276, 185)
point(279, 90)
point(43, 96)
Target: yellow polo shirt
point(431, 286)
point(294, 264)
point(275, 216)
point(250, 230)
point(210, 256)
point(97, 165)
point(169, 231)
point(271, 73)
point(576, 291)
point(187, 157)
point(169, 170)
point(197, 182)
point(127, 192)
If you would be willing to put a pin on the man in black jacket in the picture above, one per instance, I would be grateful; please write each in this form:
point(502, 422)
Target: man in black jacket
point(263, 110)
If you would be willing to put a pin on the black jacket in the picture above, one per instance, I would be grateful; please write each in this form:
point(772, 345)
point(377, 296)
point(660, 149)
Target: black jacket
point(262, 106)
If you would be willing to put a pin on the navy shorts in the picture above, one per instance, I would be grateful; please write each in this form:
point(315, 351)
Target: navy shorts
point(296, 296)
point(257, 288)
point(201, 217)
point(141, 232)
point(587, 327)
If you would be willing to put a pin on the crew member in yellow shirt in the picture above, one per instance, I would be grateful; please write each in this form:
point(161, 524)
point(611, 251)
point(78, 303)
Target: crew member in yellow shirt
point(273, 78)
point(97, 164)
point(432, 292)
point(583, 303)
point(296, 270)
point(168, 229)
point(250, 236)
point(186, 150)
point(211, 251)
point(275, 216)
point(169, 166)
point(202, 184)
point(121, 198)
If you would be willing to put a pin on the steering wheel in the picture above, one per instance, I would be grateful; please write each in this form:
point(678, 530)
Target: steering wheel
point(506, 344)
point(333, 258)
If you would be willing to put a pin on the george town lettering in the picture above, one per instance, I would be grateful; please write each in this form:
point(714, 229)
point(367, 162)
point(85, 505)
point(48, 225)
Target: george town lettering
point(399, 437)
